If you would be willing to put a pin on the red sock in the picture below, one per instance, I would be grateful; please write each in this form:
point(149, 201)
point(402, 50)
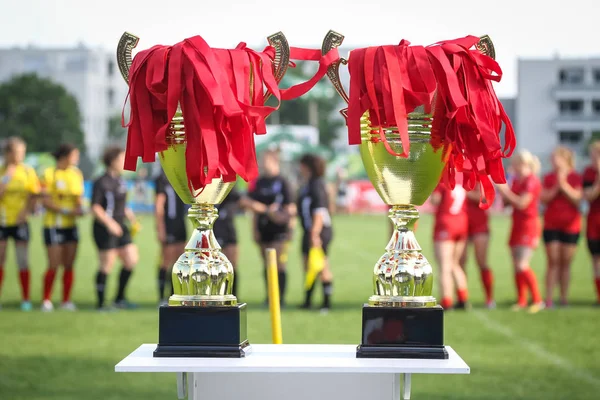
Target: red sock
point(67, 284)
point(48, 282)
point(487, 278)
point(463, 295)
point(531, 282)
point(520, 282)
point(597, 286)
point(24, 278)
point(446, 302)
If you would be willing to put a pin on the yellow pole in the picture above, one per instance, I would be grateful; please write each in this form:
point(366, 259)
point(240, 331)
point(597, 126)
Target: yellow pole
point(274, 307)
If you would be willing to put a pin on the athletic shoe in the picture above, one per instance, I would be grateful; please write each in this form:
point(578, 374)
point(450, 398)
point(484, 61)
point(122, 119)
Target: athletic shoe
point(163, 303)
point(124, 305)
point(47, 306)
point(517, 307)
point(68, 306)
point(537, 307)
point(490, 305)
point(462, 305)
point(324, 310)
point(26, 306)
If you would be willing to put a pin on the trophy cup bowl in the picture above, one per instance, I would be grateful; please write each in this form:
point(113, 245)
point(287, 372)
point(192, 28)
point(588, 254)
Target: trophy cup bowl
point(401, 319)
point(203, 318)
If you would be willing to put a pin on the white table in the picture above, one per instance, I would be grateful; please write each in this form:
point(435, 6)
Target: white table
point(292, 372)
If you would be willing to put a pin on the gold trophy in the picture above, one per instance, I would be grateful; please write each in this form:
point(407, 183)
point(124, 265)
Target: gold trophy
point(401, 319)
point(203, 318)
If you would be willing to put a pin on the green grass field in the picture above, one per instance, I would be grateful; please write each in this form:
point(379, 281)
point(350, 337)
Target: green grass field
point(551, 355)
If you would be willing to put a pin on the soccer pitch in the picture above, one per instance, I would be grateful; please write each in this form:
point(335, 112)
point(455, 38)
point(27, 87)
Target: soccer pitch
point(513, 355)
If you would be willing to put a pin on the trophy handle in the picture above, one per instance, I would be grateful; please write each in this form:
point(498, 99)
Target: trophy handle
point(333, 40)
point(126, 45)
point(282, 57)
point(485, 46)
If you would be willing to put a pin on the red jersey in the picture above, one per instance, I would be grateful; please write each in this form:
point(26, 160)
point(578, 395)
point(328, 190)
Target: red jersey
point(478, 218)
point(561, 214)
point(451, 221)
point(590, 175)
point(526, 223)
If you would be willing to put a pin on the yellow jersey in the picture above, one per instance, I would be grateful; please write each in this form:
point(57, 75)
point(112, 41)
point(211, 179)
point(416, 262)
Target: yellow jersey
point(65, 188)
point(18, 187)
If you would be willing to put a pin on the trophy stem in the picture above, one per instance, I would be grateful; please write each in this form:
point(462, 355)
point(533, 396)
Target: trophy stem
point(202, 276)
point(403, 277)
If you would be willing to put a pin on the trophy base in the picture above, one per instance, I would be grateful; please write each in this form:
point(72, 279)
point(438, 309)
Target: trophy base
point(219, 331)
point(203, 301)
point(402, 301)
point(402, 332)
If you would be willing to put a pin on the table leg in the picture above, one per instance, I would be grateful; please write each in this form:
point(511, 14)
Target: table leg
point(405, 395)
point(182, 385)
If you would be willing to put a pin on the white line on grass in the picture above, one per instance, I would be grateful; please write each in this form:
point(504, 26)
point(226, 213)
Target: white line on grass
point(537, 350)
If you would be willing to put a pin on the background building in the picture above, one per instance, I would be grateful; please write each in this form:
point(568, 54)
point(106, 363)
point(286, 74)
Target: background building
point(558, 103)
point(90, 75)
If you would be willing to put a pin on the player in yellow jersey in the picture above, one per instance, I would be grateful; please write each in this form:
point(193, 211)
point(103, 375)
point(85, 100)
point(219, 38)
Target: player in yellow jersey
point(62, 190)
point(19, 187)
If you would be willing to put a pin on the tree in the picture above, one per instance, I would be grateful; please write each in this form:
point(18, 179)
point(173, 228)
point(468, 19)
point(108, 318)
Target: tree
point(41, 112)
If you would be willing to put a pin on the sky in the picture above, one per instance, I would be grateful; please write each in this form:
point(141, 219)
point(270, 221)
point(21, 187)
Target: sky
point(519, 29)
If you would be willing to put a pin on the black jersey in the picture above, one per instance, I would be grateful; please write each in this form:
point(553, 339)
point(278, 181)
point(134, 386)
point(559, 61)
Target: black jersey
point(175, 208)
point(110, 193)
point(313, 197)
point(271, 190)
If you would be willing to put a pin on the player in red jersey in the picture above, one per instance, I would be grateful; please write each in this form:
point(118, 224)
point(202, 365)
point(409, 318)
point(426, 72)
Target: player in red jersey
point(562, 193)
point(479, 236)
point(591, 191)
point(524, 196)
point(449, 238)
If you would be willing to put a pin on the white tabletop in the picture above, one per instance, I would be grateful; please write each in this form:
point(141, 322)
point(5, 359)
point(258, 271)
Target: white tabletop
point(304, 358)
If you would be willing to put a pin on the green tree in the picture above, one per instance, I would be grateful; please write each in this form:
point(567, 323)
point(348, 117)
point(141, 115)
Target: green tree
point(41, 112)
point(322, 99)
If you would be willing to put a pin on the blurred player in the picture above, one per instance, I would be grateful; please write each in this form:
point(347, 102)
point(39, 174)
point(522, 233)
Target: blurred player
point(19, 187)
point(479, 236)
point(112, 220)
point(562, 193)
point(313, 210)
point(271, 229)
point(62, 189)
point(524, 197)
point(449, 240)
point(591, 185)
point(170, 213)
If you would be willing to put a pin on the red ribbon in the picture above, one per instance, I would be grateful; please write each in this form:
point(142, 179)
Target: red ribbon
point(392, 81)
point(212, 86)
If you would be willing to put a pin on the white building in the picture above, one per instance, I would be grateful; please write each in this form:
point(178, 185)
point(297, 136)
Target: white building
point(558, 103)
point(90, 75)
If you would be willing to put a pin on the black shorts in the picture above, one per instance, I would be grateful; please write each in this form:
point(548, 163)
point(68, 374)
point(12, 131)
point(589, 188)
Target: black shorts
point(225, 233)
point(326, 236)
point(176, 233)
point(560, 236)
point(59, 236)
point(20, 233)
point(105, 241)
point(593, 246)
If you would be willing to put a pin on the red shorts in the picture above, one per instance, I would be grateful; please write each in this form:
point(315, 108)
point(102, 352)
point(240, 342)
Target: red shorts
point(593, 226)
point(445, 232)
point(526, 235)
point(478, 227)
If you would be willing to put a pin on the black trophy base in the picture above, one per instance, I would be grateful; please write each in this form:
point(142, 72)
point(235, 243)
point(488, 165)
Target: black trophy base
point(402, 332)
point(191, 331)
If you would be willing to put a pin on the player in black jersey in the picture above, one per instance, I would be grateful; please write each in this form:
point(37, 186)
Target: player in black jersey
point(271, 228)
point(313, 209)
point(112, 219)
point(170, 213)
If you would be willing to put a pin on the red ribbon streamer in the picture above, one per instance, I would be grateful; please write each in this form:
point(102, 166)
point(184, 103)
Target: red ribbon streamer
point(392, 81)
point(212, 86)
